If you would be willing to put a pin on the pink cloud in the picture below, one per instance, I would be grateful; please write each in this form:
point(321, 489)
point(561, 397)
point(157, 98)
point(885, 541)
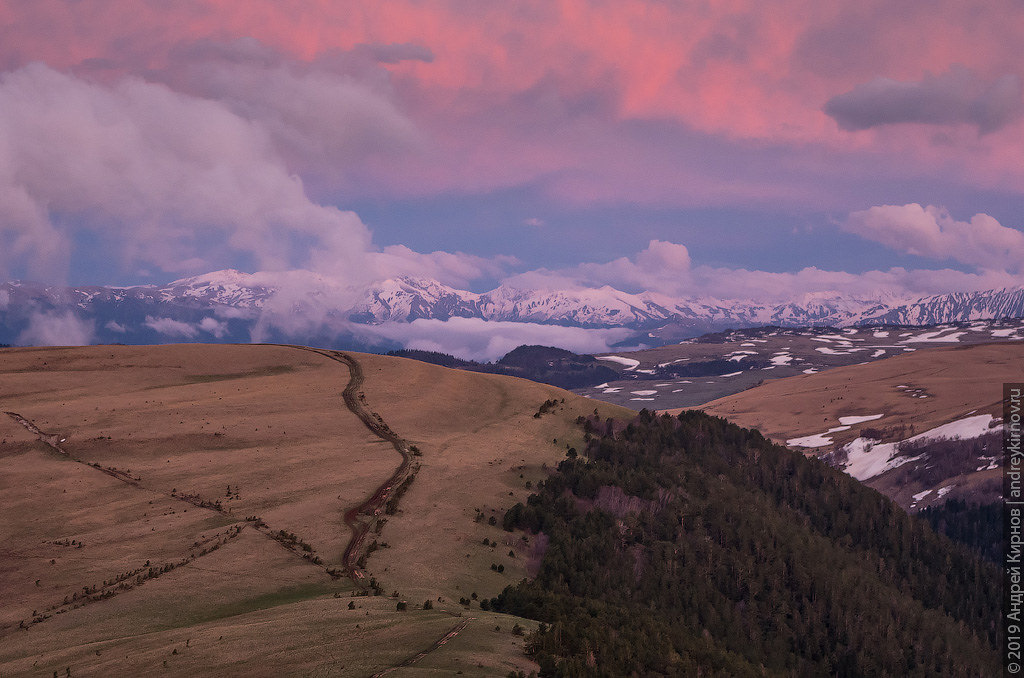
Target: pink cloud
point(743, 72)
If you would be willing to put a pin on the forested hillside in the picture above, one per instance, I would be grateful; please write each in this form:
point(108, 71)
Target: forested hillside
point(544, 364)
point(979, 526)
point(686, 546)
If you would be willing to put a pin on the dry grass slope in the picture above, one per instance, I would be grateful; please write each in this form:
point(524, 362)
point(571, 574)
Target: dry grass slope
point(956, 380)
point(132, 554)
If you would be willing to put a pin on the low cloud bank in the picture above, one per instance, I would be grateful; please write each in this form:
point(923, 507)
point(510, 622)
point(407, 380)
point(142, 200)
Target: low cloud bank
point(57, 329)
point(483, 340)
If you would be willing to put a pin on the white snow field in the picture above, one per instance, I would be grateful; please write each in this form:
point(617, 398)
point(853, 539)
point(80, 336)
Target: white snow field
point(817, 440)
point(852, 420)
point(630, 363)
point(868, 458)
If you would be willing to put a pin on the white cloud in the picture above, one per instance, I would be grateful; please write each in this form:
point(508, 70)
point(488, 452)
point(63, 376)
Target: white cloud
point(931, 232)
point(305, 304)
point(449, 268)
point(115, 326)
point(662, 267)
point(665, 268)
point(57, 329)
point(158, 175)
point(200, 177)
point(171, 328)
point(173, 182)
point(482, 340)
point(214, 327)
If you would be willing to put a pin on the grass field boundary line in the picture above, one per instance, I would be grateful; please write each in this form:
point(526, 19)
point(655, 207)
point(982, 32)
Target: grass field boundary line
point(126, 581)
point(292, 546)
point(53, 441)
point(443, 640)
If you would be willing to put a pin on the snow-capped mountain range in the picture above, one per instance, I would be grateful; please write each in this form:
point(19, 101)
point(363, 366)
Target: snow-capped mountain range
point(406, 299)
point(297, 306)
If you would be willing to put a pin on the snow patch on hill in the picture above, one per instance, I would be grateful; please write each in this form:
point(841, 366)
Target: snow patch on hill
point(867, 458)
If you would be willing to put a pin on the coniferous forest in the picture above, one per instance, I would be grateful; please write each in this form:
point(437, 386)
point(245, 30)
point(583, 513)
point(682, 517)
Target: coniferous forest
point(691, 546)
point(978, 526)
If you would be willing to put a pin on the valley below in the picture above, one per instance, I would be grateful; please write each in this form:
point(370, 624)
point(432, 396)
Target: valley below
point(697, 371)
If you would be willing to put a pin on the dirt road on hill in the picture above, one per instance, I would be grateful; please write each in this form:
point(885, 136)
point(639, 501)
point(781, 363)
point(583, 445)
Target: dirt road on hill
point(361, 518)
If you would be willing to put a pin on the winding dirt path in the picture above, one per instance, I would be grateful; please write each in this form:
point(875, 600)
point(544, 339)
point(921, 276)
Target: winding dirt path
point(362, 518)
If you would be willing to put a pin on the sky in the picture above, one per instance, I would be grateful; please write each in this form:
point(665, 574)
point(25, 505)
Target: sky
point(726, 148)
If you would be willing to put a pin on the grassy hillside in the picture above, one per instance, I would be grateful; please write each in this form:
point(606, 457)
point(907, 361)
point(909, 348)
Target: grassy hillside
point(181, 510)
point(914, 392)
point(721, 364)
point(957, 380)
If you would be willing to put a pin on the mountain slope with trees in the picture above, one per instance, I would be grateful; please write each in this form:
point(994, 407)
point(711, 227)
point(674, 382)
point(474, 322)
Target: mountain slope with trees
point(689, 545)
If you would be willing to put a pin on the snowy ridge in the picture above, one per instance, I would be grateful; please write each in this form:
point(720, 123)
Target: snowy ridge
point(239, 295)
point(408, 299)
point(956, 307)
point(609, 307)
point(404, 299)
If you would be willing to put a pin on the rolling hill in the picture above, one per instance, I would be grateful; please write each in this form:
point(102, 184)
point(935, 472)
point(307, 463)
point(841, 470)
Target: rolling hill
point(188, 510)
point(860, 416)
point(697, 371)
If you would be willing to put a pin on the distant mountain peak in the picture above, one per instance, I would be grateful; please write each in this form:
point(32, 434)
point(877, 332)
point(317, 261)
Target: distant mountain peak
point(244, 297)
